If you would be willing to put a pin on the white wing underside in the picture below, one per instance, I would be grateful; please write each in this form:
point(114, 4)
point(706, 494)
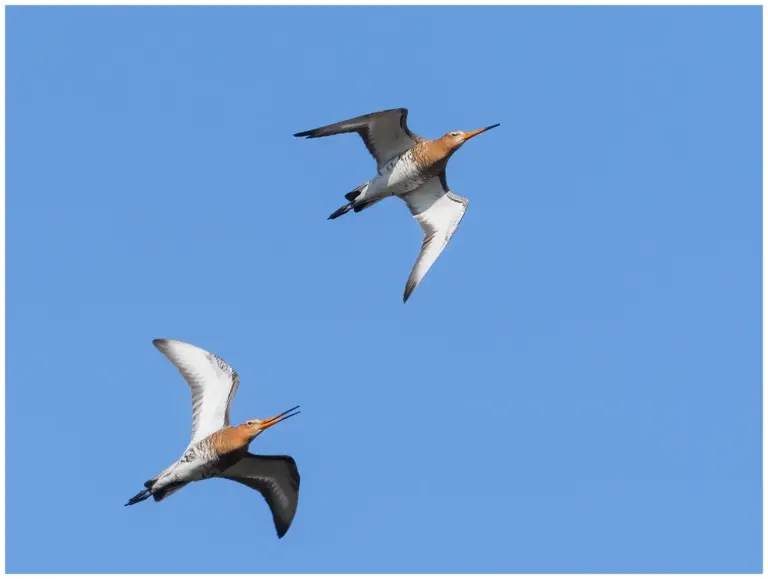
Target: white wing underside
point(212, 381)
point(439, 212)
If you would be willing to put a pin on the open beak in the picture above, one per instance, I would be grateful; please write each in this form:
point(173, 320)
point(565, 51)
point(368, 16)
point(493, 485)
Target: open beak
point(471, 134)
point(269, 422)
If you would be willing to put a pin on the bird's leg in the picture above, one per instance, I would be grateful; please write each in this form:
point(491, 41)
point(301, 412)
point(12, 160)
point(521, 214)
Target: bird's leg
point(142, 496)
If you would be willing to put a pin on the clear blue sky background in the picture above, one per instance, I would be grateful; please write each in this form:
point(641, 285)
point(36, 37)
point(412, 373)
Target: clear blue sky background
point(576, 385)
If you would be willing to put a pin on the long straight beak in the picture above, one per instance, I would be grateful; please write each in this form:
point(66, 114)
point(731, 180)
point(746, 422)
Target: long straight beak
point(471, 134)
point(269, 422)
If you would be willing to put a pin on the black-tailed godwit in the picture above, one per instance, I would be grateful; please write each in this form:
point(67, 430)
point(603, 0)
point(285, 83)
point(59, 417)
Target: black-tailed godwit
point(218, 449)
point(409, 167)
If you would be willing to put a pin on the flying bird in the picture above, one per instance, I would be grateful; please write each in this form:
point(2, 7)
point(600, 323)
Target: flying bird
point(409, 167)
point(218, 449)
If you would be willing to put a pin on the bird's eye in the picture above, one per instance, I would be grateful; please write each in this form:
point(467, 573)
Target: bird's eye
point(250, 423)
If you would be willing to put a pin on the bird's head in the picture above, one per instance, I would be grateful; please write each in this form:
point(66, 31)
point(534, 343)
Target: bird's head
point(456, 139)
point(255, 426)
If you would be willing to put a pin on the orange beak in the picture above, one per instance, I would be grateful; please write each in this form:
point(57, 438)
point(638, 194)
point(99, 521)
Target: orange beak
point(269, 422)
point(471, 134)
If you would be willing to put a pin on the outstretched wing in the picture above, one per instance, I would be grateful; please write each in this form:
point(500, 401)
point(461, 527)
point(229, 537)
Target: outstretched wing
point(385, 133)
point(213, 383)
point(439, 212)
point(276, 478)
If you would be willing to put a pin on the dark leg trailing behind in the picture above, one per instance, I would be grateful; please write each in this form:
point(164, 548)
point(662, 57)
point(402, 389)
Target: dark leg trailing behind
point(351, 196)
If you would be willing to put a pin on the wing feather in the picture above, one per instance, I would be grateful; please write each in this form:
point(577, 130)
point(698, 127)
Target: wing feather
point(384, 133)
point(212, 381)
point(439, 211)
point(276, 478)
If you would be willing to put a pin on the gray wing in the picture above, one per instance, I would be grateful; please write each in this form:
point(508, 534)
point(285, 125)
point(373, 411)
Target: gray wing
point(276, 478)
point(213, 383)
point(384, 133)
point(439, 212)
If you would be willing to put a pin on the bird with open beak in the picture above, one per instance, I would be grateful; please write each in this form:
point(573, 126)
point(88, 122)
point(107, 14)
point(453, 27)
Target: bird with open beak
point(218, 449)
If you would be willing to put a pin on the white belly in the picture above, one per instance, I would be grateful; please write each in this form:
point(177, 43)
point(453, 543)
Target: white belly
point(398, 177)
point(185, 472)
point(190, 470)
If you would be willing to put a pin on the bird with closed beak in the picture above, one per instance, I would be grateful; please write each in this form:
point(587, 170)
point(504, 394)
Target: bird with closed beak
point(409, 167)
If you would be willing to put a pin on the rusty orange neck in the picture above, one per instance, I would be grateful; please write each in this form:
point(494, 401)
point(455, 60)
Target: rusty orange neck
point(231, 439)
point(433, 154)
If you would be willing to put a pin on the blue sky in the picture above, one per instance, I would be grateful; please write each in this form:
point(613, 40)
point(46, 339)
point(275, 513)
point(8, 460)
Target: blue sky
point(575, 386)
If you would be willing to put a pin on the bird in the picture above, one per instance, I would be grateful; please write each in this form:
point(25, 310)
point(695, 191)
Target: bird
point(412, 168)
point(218, 449)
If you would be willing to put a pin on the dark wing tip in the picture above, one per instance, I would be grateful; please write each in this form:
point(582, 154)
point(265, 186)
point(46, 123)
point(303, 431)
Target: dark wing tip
point(281, 529)
point(159, 342)
point(409, 287)
point(307, 134)
point(282, 519)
